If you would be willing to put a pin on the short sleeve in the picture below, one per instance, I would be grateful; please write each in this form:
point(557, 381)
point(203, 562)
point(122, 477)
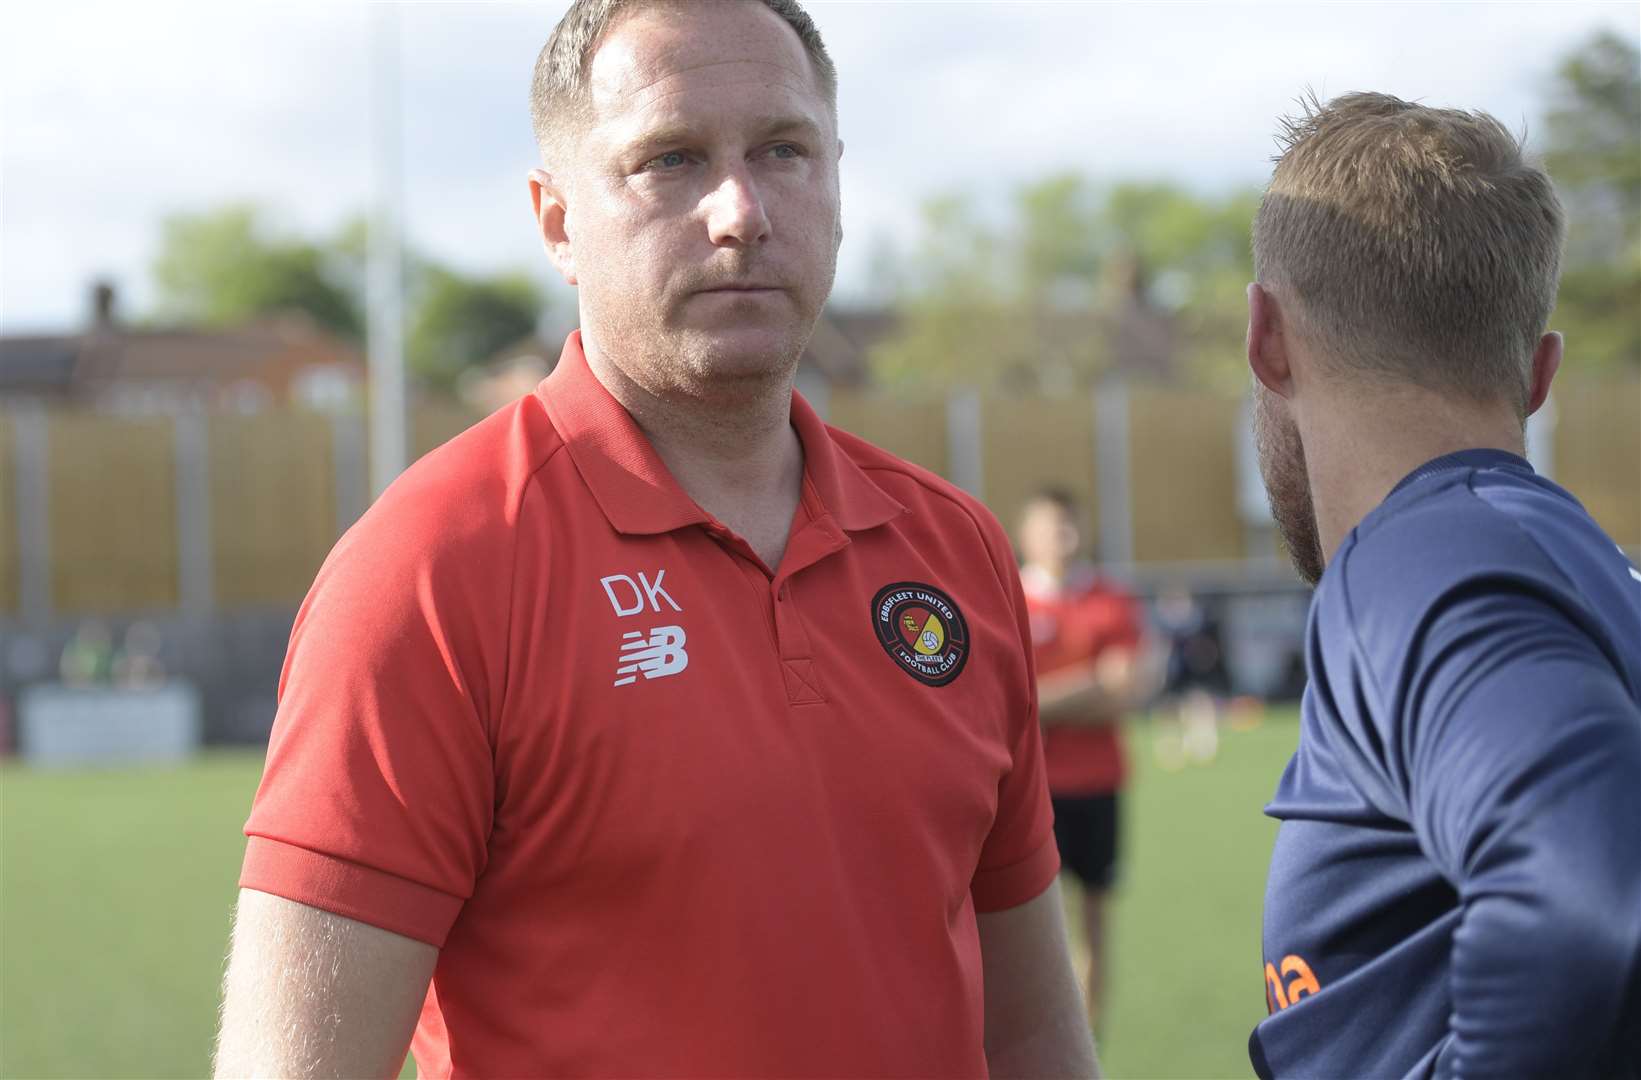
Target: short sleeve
point(377, 797)
point(1019, 859)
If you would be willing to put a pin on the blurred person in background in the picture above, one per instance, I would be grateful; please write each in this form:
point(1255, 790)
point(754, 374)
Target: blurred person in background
point(1195, 679)
point(1086, 632)
point(137, 666)
point(651, 727)
point(1456, 884)
point(88, 656)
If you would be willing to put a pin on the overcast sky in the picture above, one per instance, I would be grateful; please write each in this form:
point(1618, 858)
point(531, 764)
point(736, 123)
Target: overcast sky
point(115, 115)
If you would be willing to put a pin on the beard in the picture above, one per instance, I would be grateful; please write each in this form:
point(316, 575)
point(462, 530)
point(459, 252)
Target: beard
point(1287, 483)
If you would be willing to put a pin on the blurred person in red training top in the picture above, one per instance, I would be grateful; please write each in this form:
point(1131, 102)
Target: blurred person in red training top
point(1085, 633)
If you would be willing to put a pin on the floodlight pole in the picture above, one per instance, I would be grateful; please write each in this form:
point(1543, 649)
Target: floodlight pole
point(384, 332)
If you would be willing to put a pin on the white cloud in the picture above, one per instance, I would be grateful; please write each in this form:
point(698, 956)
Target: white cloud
point(117, 114)
point(114, 115)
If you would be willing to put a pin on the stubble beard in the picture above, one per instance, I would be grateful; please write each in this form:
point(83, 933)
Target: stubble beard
point(650, 337)
point(706, 362)
point(1287, 484)
point(704, 357)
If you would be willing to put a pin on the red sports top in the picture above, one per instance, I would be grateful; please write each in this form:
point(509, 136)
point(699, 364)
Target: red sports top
point(1072, 624)
point(664, 812)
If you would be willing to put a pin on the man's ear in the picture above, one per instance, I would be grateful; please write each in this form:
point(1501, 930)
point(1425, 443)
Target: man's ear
point(1546, 362)
point(547, 201)
point(1268, 342)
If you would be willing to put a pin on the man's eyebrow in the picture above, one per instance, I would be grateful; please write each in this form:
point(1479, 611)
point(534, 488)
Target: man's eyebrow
point(776, 125)
point(682, 134)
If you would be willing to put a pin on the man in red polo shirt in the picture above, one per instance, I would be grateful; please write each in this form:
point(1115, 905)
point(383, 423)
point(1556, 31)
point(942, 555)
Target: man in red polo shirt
point(1086, 632)
point(651, 727)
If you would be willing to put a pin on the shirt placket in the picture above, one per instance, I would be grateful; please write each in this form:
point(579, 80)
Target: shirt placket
point(816, 540)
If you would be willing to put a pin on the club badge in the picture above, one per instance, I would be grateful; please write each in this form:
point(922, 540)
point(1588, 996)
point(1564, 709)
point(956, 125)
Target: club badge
point(922, 631)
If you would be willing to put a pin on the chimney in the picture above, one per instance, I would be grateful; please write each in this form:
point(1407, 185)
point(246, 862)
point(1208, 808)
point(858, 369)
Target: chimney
point(102, 305)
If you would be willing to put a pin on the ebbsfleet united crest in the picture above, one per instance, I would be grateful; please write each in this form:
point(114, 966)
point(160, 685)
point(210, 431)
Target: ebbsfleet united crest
point(922, 631)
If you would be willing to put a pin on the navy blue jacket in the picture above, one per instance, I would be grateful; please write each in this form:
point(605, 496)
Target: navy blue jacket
point(1456, 884)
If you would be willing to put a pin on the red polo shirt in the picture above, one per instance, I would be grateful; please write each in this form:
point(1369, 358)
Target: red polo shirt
point(664, 811)
point(1072, 623)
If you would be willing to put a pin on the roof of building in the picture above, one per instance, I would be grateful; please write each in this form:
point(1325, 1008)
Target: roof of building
point(108, 353)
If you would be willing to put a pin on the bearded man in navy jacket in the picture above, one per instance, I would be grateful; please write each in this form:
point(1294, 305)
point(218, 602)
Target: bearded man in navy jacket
point(1456, 884)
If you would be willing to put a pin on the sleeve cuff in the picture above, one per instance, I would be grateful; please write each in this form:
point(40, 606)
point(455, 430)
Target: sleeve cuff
point(1014, 884)
point(349, 889)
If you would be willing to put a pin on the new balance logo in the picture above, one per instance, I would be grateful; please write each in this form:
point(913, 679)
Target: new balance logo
point(659, 655)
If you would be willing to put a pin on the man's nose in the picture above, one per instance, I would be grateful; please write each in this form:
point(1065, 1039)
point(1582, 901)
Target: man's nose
point(735, 212)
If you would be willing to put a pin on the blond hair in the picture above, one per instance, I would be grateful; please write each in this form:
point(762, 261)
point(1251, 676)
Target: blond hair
point(1418, 243)
point(558, 89)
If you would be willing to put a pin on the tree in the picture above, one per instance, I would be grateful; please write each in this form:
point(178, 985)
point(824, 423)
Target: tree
point(1197, 254)
point(460, 321)
point(1593, 128)
point(1075, 281)
point(224, 266)
point(953, 314)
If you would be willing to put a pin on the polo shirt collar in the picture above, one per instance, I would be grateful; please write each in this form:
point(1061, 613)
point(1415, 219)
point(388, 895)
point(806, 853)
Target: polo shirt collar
point(844, 489)
point(640, 496)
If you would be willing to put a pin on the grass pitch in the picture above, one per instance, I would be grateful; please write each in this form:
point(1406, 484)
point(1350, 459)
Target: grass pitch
point(116, 886)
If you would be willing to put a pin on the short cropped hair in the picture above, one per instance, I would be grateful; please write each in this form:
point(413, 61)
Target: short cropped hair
point(558, 89)
point(1419, 243)
point(1058, 497)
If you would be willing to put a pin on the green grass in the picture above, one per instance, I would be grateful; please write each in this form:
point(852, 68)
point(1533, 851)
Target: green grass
point(116, 886)
point(115, 892)
point(1186, 983)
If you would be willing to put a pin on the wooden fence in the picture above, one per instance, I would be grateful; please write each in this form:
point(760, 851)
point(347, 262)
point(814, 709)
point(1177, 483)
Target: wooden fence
point(111, 514)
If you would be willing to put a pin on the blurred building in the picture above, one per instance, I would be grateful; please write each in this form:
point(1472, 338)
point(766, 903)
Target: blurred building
point(1142, 338)
point(281, 360)
point(838, 350)
point(508, 375)
point(1070, 342)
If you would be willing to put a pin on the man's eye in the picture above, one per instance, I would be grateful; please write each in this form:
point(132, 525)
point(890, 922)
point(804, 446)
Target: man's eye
point(785, 150)
point(672, 159)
